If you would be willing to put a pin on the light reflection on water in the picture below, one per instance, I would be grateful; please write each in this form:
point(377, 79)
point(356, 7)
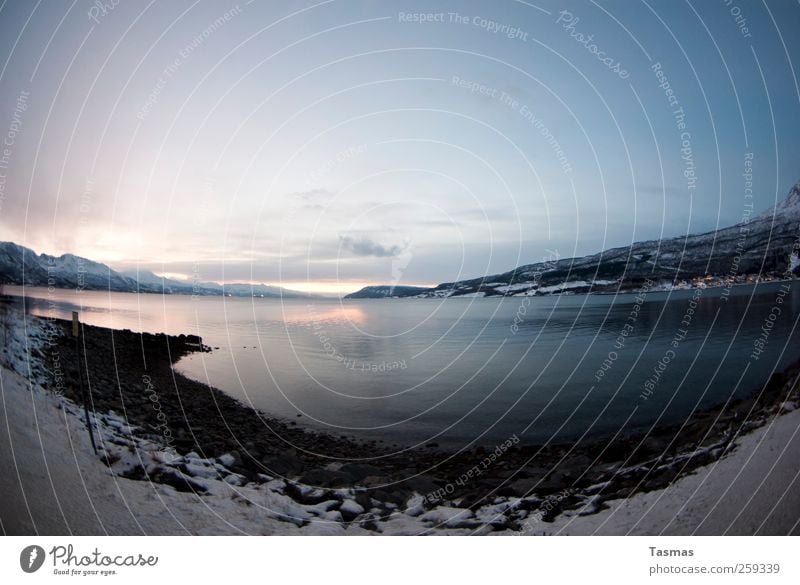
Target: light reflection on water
point(454, 371)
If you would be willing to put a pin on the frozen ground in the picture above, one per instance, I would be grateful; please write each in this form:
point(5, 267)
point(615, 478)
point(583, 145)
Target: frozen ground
point(754, 490)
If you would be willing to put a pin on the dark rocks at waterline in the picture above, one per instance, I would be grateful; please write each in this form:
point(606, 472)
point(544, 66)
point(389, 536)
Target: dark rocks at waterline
point(360, 471)
point(326, 478)
point(168, 477)
point(283, 465)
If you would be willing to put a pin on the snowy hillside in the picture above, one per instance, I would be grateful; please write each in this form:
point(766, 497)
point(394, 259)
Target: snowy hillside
point(764, 247)
point(384, 292)
point(20, 265)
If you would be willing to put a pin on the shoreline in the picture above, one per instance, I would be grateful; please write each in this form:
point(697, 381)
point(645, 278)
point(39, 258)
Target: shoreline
point(127, 370)
point(346, 297)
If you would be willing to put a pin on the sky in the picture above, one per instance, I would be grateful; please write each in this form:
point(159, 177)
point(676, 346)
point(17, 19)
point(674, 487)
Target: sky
point(328, 145)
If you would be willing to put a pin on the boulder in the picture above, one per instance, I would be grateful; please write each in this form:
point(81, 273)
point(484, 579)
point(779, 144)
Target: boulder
point(359, 471)
point(283, 464)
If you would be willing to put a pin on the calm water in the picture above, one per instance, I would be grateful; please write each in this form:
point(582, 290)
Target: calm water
point(459, 370)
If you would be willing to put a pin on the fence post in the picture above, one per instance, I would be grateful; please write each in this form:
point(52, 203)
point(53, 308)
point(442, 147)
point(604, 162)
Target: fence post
point(76, 332)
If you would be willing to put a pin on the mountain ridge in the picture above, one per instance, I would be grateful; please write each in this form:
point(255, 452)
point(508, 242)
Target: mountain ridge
point(761, 246)
point(23, 266)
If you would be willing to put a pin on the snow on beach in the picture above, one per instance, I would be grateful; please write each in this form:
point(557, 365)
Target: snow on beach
point(58, 486)
point(753, 491)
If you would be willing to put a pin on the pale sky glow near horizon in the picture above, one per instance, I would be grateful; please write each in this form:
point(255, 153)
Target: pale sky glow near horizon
point(324, 146)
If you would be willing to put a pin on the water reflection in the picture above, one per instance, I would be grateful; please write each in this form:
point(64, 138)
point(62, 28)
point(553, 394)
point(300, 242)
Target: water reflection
point(413, 370)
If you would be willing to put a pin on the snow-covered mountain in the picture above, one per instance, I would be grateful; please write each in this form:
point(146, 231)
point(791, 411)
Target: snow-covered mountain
point(382, 292)
point(146, 278)
point(766, 246)
point(21, 265)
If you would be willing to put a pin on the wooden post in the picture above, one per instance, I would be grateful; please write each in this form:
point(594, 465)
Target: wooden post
point(76, 333)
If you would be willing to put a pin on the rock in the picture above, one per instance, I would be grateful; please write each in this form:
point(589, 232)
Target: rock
point(476, 498)
point(521, 487)
point(306, 495)
point(364, 500)
point(416, 506)
point(598, 487)
point(370, 522)
point(230, 459)
point(234, 479)
point(397, 497)
point(422, 484)
point(326, 478)
point(556, 482)
point(374, 480)
point(593, 506)
point(199, 471)
point(283, 464)
point(550, 509)
point(177, 480)
point(359, 471)
point(350, 510)
point(444, 516)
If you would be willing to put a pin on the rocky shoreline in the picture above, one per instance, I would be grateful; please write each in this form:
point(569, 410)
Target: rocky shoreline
point(131, 376)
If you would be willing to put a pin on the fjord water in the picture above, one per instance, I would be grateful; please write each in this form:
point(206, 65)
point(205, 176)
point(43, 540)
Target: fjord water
point(461, 371)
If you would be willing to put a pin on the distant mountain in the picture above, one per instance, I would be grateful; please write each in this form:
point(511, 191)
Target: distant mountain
point(145, 278)
point(383, 292)
point(21, 265)
point(766, 246)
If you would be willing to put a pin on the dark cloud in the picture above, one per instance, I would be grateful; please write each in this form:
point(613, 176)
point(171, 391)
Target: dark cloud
point(367, 247)
point(648, 189)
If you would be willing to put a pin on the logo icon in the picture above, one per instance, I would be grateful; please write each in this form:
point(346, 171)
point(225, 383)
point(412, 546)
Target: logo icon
point(31, 558)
